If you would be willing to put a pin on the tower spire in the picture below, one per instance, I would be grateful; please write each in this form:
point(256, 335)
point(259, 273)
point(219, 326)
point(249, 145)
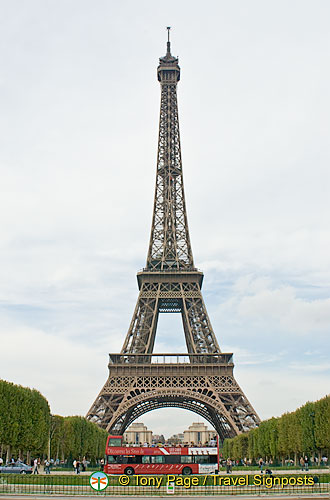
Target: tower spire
point(168, 58)
point(168, 53)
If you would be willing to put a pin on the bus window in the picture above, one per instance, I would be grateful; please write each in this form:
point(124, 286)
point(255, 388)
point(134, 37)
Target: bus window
point(131, 459)
point(172, 459)
point(146, 459)
point(115, 441)
point(186, 459)
point(111, 459)
point(200, 459)
point(158, 459)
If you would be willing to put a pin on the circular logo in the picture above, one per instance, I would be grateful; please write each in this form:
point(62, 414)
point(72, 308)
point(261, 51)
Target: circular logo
point(98, 481)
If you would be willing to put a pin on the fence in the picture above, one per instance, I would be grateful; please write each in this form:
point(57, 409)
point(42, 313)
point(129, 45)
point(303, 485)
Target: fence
point(161, 485)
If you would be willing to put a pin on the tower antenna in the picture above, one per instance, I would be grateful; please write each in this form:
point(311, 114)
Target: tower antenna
point(168, 33)
point(168, 52)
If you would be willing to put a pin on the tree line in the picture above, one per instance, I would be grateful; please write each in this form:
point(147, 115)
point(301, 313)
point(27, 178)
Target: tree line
point(76, 437)
point(27, 428)
point(306, 431)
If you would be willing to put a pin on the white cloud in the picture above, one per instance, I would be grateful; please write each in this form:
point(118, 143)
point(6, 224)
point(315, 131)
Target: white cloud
point(265, 305)
point(66, 372)
point(310, 367)
point(275, 390)
point(295, 254)
point(244, 356)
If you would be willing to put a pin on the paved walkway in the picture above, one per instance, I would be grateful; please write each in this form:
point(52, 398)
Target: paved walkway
point(199, 497)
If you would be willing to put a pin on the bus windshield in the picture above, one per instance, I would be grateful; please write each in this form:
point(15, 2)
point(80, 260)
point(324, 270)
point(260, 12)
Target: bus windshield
point(115, 441)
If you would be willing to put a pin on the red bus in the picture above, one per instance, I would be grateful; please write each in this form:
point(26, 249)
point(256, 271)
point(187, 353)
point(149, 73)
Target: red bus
point(158, 460)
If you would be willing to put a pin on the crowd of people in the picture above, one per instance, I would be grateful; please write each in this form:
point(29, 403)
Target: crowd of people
point(209, 444)
point(80, 466)
point(265, 465)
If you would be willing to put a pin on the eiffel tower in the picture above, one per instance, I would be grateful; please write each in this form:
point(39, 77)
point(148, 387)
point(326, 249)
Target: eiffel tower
point(201, 380)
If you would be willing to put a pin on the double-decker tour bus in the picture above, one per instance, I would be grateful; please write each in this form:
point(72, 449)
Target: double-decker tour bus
point(158, 460)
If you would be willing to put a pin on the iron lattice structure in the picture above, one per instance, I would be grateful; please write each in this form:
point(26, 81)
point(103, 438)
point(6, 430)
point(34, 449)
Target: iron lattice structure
point(201, 381)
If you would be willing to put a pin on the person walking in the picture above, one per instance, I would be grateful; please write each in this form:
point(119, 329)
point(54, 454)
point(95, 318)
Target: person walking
point(74, 465)
point(261, 464)
point(35, 466)
point(302, 463)
point(47, 466)
point(228, 465)
point(306, 462)
point(78, 467)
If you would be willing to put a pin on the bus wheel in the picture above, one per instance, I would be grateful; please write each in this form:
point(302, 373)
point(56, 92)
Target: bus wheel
point(129, 471)
point(186, 471)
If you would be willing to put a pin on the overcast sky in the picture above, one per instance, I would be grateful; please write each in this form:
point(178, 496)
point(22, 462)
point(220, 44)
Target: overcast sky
point(79, 102)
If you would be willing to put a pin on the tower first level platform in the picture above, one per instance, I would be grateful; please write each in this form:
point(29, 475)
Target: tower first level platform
point(202, 383)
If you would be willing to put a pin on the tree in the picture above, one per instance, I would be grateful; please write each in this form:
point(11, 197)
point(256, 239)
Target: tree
point(306, 416)
point(303, 431)
point(322, 426)
point(24, 419)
